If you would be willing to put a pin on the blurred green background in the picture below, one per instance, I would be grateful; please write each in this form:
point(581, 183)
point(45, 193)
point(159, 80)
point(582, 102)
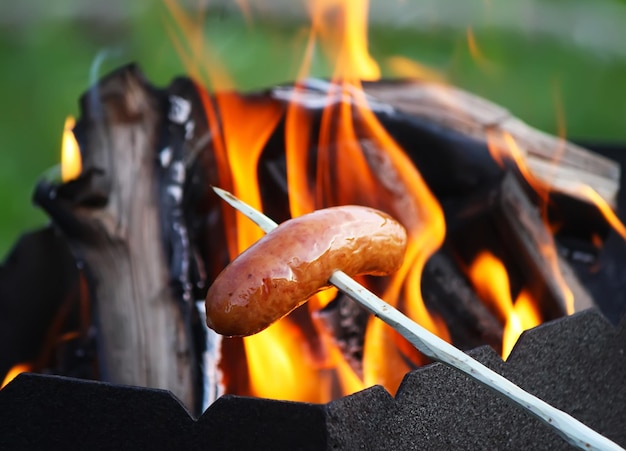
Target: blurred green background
point(538, 57)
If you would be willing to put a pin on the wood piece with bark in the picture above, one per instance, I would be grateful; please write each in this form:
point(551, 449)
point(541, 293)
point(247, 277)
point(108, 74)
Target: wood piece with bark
point(110, 216)
point(556, 162)
point(504, 221)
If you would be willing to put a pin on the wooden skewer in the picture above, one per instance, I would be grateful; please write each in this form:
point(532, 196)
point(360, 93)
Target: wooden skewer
point(572, 430)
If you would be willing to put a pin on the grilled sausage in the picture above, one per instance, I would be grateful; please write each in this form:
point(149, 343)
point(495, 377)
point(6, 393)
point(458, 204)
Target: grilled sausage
point(294, 261)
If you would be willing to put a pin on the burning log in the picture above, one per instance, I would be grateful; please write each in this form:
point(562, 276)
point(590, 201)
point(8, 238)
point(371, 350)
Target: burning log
point(140, 215)
point(560, 164)
point(447, 292)
point(451, 136)
point(346, 322)
point(511, 226)
point(111, 218)
point(501, 218)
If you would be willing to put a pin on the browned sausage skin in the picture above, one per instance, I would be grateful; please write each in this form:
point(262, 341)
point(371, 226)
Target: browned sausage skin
point(294, 261)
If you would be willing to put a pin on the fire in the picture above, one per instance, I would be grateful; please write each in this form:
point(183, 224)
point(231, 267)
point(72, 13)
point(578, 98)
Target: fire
point(345, 157)
point(367, 168)
point(342, 28)
point(71, 164)
point(243, 146)
point(503, 147)
point(524, 315)
point(477, 54)
point(14, 372)
point(282, 368)
point(406, 68)
point(592, 196)
point(491, 281)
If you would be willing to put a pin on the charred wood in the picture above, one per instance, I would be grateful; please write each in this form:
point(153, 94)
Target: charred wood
point(45, 320)
point(447, 292)
point(144, 335)
point(447, 133)
point(346, 322)
point(505, 222)
point(558, 163)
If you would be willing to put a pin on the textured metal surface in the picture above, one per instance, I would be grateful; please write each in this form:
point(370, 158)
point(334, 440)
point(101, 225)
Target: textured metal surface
point(577, 364)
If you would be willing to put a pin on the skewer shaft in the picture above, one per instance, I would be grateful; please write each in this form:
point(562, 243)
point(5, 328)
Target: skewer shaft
point(572, 430)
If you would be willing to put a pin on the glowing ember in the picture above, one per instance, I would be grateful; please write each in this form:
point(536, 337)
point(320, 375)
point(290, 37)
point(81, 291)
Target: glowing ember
point(71, 164)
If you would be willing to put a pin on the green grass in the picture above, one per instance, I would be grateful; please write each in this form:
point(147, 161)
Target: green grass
point(46, 65)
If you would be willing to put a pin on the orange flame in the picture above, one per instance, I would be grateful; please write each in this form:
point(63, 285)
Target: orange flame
point(283, 368)
point(503, 145)
point(355, 162)
point(14, 372)
point(407, 68)
point(592, 196)
point(365, 167)
point(524, 315)
point(477, 54)
point(71, 164)
point(246, 127)
point(491, 282)
point(472, 45)
point(342, 28)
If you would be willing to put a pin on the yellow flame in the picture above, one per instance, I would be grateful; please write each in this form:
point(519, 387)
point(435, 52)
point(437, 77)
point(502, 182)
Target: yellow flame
point(477, 54)
point(491, 282)
point(14, 372)
point(71, 164)
point(281, 368)
point(342, 27)
point(354, 153)
point(524, 315)
point(407, 68)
